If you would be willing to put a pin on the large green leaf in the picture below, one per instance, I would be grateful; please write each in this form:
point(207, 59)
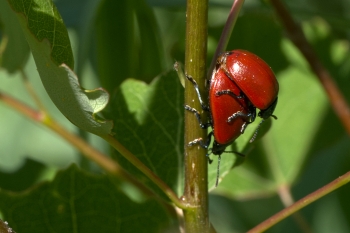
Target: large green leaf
point(23, 178)
point(150, 61)
point(76, 201)
point(115, 42)
point(128, 42)
point(149, 122)
point(42, 19)
point(50, 45)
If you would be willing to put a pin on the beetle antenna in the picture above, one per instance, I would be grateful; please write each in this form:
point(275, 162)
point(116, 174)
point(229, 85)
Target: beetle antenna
point(218, 168)
point(218, 171)
point(256, 131)
point(235, 152)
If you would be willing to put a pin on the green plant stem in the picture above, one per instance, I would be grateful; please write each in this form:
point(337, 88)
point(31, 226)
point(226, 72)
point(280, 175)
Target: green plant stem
point(88, 151)
point(196, 163)
point(302, 203)
point(296, 35)
point(145, 170)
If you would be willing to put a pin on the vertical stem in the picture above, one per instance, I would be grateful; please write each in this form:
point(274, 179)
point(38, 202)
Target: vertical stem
point(196, 164)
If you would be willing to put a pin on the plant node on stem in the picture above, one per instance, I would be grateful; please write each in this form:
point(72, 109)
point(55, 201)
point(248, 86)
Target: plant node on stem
point(196, 163)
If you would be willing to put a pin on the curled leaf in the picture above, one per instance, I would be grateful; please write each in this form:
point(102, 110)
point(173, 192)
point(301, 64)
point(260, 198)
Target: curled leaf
point(48, 39)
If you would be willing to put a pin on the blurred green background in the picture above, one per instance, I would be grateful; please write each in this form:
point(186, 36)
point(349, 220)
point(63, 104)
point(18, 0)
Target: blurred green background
point(114, 41)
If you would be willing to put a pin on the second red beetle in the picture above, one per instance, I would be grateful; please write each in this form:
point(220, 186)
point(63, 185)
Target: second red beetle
point(240, 83)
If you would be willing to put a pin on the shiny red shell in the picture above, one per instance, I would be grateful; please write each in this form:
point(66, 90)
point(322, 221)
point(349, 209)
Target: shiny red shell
point(252, 75)
point(223, 106)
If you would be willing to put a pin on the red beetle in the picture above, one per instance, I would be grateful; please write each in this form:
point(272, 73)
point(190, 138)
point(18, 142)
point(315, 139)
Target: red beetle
point(225, 99)
point(254, 77)
point(240, 83)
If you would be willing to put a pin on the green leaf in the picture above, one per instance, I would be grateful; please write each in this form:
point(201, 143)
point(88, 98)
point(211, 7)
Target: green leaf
point(23, 178)
point(86, 33)
point(76, 201)
point(50, 45)
point(150, 50)
point(128, 42)
point(149, 122)
point(16, 52)
point(42, 19)
point(115, 41)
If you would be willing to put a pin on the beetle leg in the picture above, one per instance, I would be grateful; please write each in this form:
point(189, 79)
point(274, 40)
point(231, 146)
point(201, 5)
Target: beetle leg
point(198, 116)
point(244, 126)
point(249, 118)
point(203, 145)
point(196, 141)
point(209, 159)
point(204, 106)
point(200, 141)
point(238, 114)
point(228, 92)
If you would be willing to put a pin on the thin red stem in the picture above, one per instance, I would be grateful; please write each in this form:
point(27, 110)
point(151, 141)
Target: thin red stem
point(226, 32)
point(302, 203)
point(296, 35)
